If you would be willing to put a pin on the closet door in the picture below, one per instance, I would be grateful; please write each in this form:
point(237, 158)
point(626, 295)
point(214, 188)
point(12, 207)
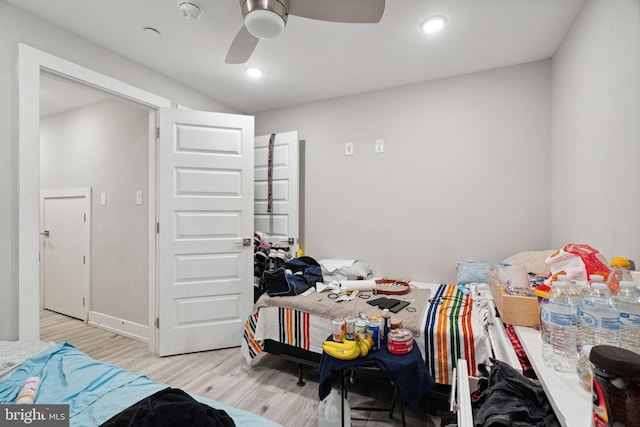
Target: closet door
point(281, 222)
point(205, 229)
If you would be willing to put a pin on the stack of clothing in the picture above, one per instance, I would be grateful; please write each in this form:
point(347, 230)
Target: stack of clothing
point(505, 397)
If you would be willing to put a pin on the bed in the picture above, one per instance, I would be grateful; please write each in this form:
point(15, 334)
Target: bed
point(447, 325)
point(95, 391)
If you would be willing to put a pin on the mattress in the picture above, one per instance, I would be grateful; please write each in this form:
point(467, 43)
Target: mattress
point(95, 391)
point(452, 326)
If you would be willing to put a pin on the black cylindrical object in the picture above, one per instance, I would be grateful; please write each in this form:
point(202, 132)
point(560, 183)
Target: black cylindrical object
point(616, 387)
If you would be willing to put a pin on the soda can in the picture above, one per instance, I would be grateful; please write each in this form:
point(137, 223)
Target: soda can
point(361, 327)
point(350, 327)
point(373, 329)
point(338, 329)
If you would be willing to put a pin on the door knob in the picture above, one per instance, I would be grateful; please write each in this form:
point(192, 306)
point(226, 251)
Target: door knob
point(45, 233)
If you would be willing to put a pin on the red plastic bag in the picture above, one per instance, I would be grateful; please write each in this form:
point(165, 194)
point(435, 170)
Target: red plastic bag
point(578, 262)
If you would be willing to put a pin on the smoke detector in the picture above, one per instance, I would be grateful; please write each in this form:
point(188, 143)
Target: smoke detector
point(189, 9)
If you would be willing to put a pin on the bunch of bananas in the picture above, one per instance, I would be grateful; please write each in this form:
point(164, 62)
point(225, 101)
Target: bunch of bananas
point(348, 349)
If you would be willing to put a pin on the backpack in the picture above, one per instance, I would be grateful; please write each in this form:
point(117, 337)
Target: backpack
point(293, 278)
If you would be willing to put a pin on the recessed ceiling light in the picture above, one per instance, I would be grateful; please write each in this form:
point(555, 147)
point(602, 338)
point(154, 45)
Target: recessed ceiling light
point(433, 24)
point(254, 72)
point(151, 32)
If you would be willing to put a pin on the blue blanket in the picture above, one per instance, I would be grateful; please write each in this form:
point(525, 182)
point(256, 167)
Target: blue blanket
point(94, 390)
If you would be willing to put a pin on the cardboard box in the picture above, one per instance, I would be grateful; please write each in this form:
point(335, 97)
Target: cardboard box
point(515, 309)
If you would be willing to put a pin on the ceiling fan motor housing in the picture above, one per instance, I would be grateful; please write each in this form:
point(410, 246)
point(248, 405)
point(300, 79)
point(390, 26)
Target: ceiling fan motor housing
point(265, 19)
point(189, 9)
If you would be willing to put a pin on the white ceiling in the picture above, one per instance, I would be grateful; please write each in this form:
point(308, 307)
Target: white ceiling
point(314, 60)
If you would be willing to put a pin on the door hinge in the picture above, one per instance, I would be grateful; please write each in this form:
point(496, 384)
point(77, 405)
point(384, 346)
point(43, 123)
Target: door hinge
point(84, 259)
point(83, 301)
point(157, 228)
point(157, 132)
point(157, 323)
point(85, 218)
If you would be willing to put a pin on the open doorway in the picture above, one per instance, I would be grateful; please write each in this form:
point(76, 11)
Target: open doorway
point(205, 160)
point(32, 63)
point(95, 140)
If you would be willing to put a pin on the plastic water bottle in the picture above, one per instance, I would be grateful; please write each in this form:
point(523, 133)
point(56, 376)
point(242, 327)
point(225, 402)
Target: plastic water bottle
point(545, 331)
point(562, 319)
point(584, 369)
point(616, 275)
point(329, 411)
point(599, 318)
point(574, 289)
point(627, 302)
point(545, 328)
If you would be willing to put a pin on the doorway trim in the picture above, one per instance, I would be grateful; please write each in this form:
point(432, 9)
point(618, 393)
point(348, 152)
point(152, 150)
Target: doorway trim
point(31, 62)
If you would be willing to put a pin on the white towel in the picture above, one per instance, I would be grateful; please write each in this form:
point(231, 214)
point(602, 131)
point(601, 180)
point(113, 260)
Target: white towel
point(332, 265)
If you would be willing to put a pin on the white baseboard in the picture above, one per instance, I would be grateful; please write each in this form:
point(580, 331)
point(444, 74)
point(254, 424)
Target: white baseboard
point(119, 326)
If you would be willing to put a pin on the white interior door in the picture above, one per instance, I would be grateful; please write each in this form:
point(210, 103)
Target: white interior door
point(282, 222)
point(65, 247)
point(205, 212)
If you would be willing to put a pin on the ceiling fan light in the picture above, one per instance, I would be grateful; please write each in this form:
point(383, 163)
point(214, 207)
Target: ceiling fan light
point(254, 72)
point(189, 9)
point(433, 24)
point(264, 24)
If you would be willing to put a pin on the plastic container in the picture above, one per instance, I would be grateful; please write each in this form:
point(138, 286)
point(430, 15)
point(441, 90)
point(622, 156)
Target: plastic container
point(627, 302)
point(27, 394)
point(361, 327)
point(350, 328)
point(584, 369)
point(616, 386)
point(619, 273)
point(563, 328)
point(400, 341)
point(329, 411)
point(338, 329)
point(600, 323)
point(545, 331)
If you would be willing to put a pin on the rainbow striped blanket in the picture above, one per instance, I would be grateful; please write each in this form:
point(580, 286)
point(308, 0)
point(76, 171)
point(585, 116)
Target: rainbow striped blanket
point(453, 326)
point(453, 330)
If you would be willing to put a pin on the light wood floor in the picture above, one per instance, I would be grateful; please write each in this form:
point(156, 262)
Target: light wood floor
point(268, 387)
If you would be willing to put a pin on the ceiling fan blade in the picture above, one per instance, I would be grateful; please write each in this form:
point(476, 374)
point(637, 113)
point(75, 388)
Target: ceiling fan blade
point(348, 11)
point(241, 47)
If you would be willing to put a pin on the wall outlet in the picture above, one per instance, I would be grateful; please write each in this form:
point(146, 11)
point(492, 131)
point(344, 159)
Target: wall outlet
point(138, 197)
point(379, 145)
point(348, 148)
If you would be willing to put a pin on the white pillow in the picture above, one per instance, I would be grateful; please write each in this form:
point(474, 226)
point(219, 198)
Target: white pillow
point(533, 261)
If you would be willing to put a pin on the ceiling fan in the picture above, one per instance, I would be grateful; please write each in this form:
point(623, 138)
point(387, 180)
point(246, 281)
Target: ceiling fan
point(266, 19)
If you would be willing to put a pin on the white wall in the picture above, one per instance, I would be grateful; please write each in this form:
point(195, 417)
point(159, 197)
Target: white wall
point(17, 26)
point(105, 146)
point(464, 175)
point(596, 131)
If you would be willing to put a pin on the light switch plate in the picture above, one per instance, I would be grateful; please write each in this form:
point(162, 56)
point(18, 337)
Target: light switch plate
point(379, 145)
point(103, 199)
point(348, 148)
